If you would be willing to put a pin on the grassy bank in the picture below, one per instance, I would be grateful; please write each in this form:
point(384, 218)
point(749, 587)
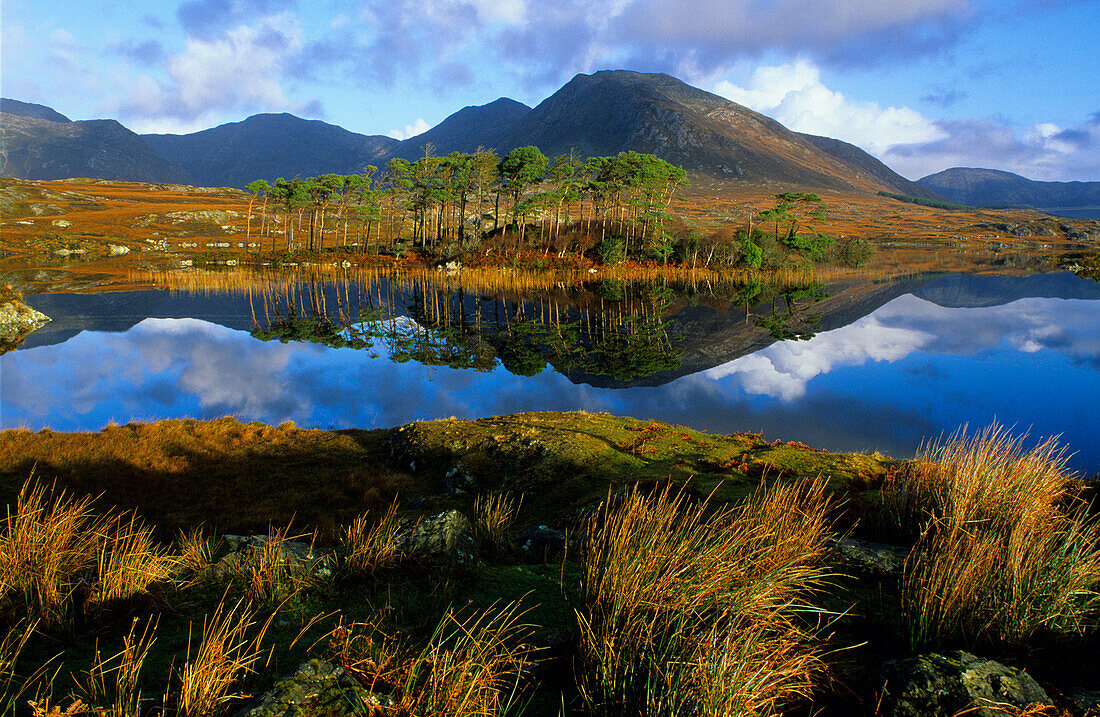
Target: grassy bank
point(700, 577)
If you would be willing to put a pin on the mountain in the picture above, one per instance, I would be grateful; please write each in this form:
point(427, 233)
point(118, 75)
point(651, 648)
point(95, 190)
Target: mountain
point(267, 146)
point(863, 162)
point(29, 109)
point(471, 127)
point(615, 110)
point(36, 148)
point(994, 188)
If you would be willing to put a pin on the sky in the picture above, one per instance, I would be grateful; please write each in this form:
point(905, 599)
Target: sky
point(923, 85)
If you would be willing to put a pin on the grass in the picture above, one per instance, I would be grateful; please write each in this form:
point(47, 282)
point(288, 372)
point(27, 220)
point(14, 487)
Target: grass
point(112, 684)
point(671, 592)
point(494, 516)
point(469, 667)
point(370, 545)
point(1008, 553)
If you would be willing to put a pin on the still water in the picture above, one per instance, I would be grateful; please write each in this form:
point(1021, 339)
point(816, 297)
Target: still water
point(853, 368)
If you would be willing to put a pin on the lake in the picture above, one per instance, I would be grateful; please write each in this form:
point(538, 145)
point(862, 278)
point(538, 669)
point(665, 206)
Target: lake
point(871, 366)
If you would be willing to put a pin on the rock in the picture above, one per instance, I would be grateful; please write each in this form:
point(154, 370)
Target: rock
point(117, 249)
point(947, 684)
point(867, 557)
point(543, 543)
point(16, 321)
point(61, 223)
point(296, 555)
point(445, 538)
point(458, 481)
point(317, 687)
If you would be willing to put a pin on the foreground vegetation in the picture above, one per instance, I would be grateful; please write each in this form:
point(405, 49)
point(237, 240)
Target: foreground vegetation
point(701, 577)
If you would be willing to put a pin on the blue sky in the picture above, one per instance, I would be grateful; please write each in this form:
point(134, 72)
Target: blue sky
point(922, 84)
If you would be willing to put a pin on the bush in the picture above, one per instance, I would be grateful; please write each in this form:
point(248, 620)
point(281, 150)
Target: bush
point(854, 252)
point(611, 250)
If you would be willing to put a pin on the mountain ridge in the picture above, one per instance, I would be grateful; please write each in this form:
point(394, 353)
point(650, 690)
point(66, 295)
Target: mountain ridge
point(980, 187)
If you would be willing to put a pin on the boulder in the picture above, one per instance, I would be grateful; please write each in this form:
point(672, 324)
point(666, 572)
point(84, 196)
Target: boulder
point(297, 556)
point(317, 687)
point(543, 543)
point(446, 538)
point(948, 684)
point(869, 558)
point(16, 321)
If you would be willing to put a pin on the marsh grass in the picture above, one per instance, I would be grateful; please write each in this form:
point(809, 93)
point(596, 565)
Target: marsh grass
point(470, 666)
point(494, 516)
point(371, 544)
point(111, 685)
point(55, 549)
point(1008, 551)
point(13, 687)
point(196, 553)
point(229, 649)
point(671, 591)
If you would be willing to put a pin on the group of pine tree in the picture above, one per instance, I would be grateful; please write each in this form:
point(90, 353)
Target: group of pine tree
point(447, 206)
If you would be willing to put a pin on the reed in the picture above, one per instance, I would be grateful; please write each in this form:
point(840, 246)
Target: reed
point(229, 649)
point(1007, 552)
point(469, 667)
point(670, 591)
point(494, 516)
point(111, 686)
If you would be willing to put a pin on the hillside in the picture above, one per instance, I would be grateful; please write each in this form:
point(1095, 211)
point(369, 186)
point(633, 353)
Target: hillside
point(864, 163)
point(268, 146)
point(37, 148)
point(994, 188)
point(29, 109)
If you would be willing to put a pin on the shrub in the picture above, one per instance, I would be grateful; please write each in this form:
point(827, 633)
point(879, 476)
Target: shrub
point(1007, 551)
point(687, 613)
point(854, 252)
point(611, 250)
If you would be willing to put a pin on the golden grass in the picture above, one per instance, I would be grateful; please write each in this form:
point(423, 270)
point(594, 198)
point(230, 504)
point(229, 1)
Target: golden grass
point(671, 592)
point(270, 574)
point(229, 649)
point(1007, 552)
point(14, 687)
point(470, 667)
point(494, 516)
point(370, 544)
point(111, 684)
point(53, 546)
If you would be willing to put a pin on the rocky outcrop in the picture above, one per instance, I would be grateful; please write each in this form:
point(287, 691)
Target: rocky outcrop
point(446, 539)
point(17, 320)
point(953, 683)
point(317, 687)
point(864, 557)
point(296, 557)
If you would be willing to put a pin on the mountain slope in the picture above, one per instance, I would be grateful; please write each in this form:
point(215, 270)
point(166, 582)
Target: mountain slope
point(101, 149)
point(616, 110)
point(862, 162)
point(994, 188)
point(29, 109)
point(267, 146)
point(464, 131)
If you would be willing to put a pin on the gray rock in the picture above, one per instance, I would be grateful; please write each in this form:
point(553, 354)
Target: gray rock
point(459, 481)
point(446, 538)
point(867, 557)
point(543, 543)
point(297, 556)
point(16, 321)
point(934, 684)
point(316, 687)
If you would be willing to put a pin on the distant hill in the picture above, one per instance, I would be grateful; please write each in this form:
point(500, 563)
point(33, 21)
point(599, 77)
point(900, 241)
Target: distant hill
point(268, 146)
point(994, 188)
point(36, 148)
point(861, 161)
point(486, 126)
point(29, 109)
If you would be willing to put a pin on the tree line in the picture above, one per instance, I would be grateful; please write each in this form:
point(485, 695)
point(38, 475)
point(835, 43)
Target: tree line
point(448, 205)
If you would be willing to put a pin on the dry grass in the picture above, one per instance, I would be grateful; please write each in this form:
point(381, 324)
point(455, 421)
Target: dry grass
point(229, 649)
point(469, 667)
point(111, 685)
point(54, 547)
point(371, 545)
point(494, 516)
point(196, 551)
point(672, 593)
point(272, 574)
point(13, 687)
point(1007, 552)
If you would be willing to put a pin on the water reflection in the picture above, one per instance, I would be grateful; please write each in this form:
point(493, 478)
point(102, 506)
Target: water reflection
point(877, 367)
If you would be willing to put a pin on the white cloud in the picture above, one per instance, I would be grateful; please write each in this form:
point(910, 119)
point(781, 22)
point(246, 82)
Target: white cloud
point(794, 95)
point(411, 130)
